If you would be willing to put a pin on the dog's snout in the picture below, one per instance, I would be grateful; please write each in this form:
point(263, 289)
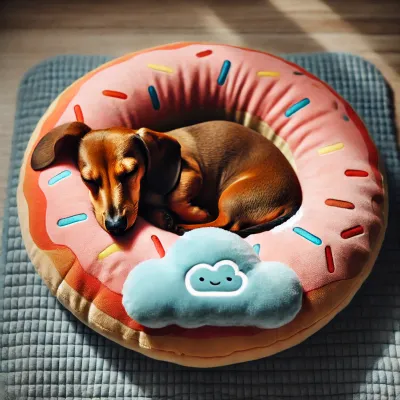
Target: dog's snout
point(116, 225)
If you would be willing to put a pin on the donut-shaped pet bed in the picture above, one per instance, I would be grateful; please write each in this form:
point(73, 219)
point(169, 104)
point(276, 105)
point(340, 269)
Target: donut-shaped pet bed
point(150, 290)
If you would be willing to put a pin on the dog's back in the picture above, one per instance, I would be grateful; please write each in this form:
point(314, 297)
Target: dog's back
point(224, 149)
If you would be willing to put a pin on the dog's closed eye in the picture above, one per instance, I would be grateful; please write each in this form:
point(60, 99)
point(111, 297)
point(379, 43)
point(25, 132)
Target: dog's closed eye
point(93, 184)
point(129, 173)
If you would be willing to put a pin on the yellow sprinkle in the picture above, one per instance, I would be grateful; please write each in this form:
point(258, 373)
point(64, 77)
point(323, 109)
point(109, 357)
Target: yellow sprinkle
point(330, 148)
point(161, 68)
point(108, 251)
point(268, 73)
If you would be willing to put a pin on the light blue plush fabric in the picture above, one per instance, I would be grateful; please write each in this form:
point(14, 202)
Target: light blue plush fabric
point(212, 277)
point(47, 354)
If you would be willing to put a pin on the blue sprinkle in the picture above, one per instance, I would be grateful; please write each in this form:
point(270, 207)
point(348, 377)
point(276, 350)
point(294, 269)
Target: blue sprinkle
point(73, 219)
point(224, 72)
point(296, 107)
point(154, 97)
point(256, 248)
point(346, 118)
point(59, 177)
point(307, 235)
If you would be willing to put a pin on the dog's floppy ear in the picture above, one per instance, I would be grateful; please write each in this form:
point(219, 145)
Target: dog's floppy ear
point(46, 151)
point(163, 155)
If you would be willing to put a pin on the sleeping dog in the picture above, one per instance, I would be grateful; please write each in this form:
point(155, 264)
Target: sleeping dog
point(213, 174)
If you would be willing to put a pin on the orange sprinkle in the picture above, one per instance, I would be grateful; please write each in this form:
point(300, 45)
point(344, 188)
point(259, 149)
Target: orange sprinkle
point(351, 232)
point(113, 93)
point(78, 113)
point(158, 245)
point(339, 203)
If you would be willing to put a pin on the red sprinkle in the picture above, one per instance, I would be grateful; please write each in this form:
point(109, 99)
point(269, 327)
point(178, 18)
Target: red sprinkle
point(159, 247)
point(329, 259)
point(356, 172)
point(78, 113)
point(113, 93)
point(339, 203)
point(204, 53)
point(351, 232)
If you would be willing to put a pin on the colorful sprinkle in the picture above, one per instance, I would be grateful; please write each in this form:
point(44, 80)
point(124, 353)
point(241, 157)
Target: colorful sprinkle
point(331, 148)
point(161, 68)
point(78, 113)
point(356, 172)
point(340, 204)
point(346, 118)
point(158, 245)
point(329, 259)
point(272, 74)
point(73, 219)
point(154, 97)
point(62, 175)
point(351, 232)
point(307, 235)
point(335, 105)
point(257, 248)
point(114, 93)
point(296, 107)
point(297, 73)
point(224, 72)
point(113, 248)
point(204, 53)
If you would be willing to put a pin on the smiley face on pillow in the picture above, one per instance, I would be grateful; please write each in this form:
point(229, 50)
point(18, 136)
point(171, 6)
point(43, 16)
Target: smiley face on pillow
point(221, 280)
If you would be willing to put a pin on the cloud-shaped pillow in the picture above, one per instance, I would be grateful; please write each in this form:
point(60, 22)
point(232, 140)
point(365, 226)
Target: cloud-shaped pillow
point(212, 277)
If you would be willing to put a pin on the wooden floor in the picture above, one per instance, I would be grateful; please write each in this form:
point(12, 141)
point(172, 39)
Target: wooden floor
point(32, 30)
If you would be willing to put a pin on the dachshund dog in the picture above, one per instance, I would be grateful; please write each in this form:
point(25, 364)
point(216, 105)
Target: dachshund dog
point(212, 174)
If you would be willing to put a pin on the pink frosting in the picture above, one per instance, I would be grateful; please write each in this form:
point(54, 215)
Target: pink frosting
point(191, 84)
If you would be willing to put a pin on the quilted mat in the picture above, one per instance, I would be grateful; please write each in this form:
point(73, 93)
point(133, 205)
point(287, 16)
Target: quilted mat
point(48, 354)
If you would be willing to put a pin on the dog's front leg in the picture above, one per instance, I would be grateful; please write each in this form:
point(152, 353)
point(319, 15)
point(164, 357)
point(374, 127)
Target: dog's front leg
point(180, 200)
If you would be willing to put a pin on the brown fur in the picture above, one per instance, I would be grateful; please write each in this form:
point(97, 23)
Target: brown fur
point(213, 174)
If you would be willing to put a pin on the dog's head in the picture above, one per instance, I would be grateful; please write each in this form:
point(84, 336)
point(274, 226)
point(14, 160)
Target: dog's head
point(114, 164)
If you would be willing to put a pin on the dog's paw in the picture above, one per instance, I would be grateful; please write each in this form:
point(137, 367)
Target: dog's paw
point(165, 220)
point(169, 222)
point(179, 230)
